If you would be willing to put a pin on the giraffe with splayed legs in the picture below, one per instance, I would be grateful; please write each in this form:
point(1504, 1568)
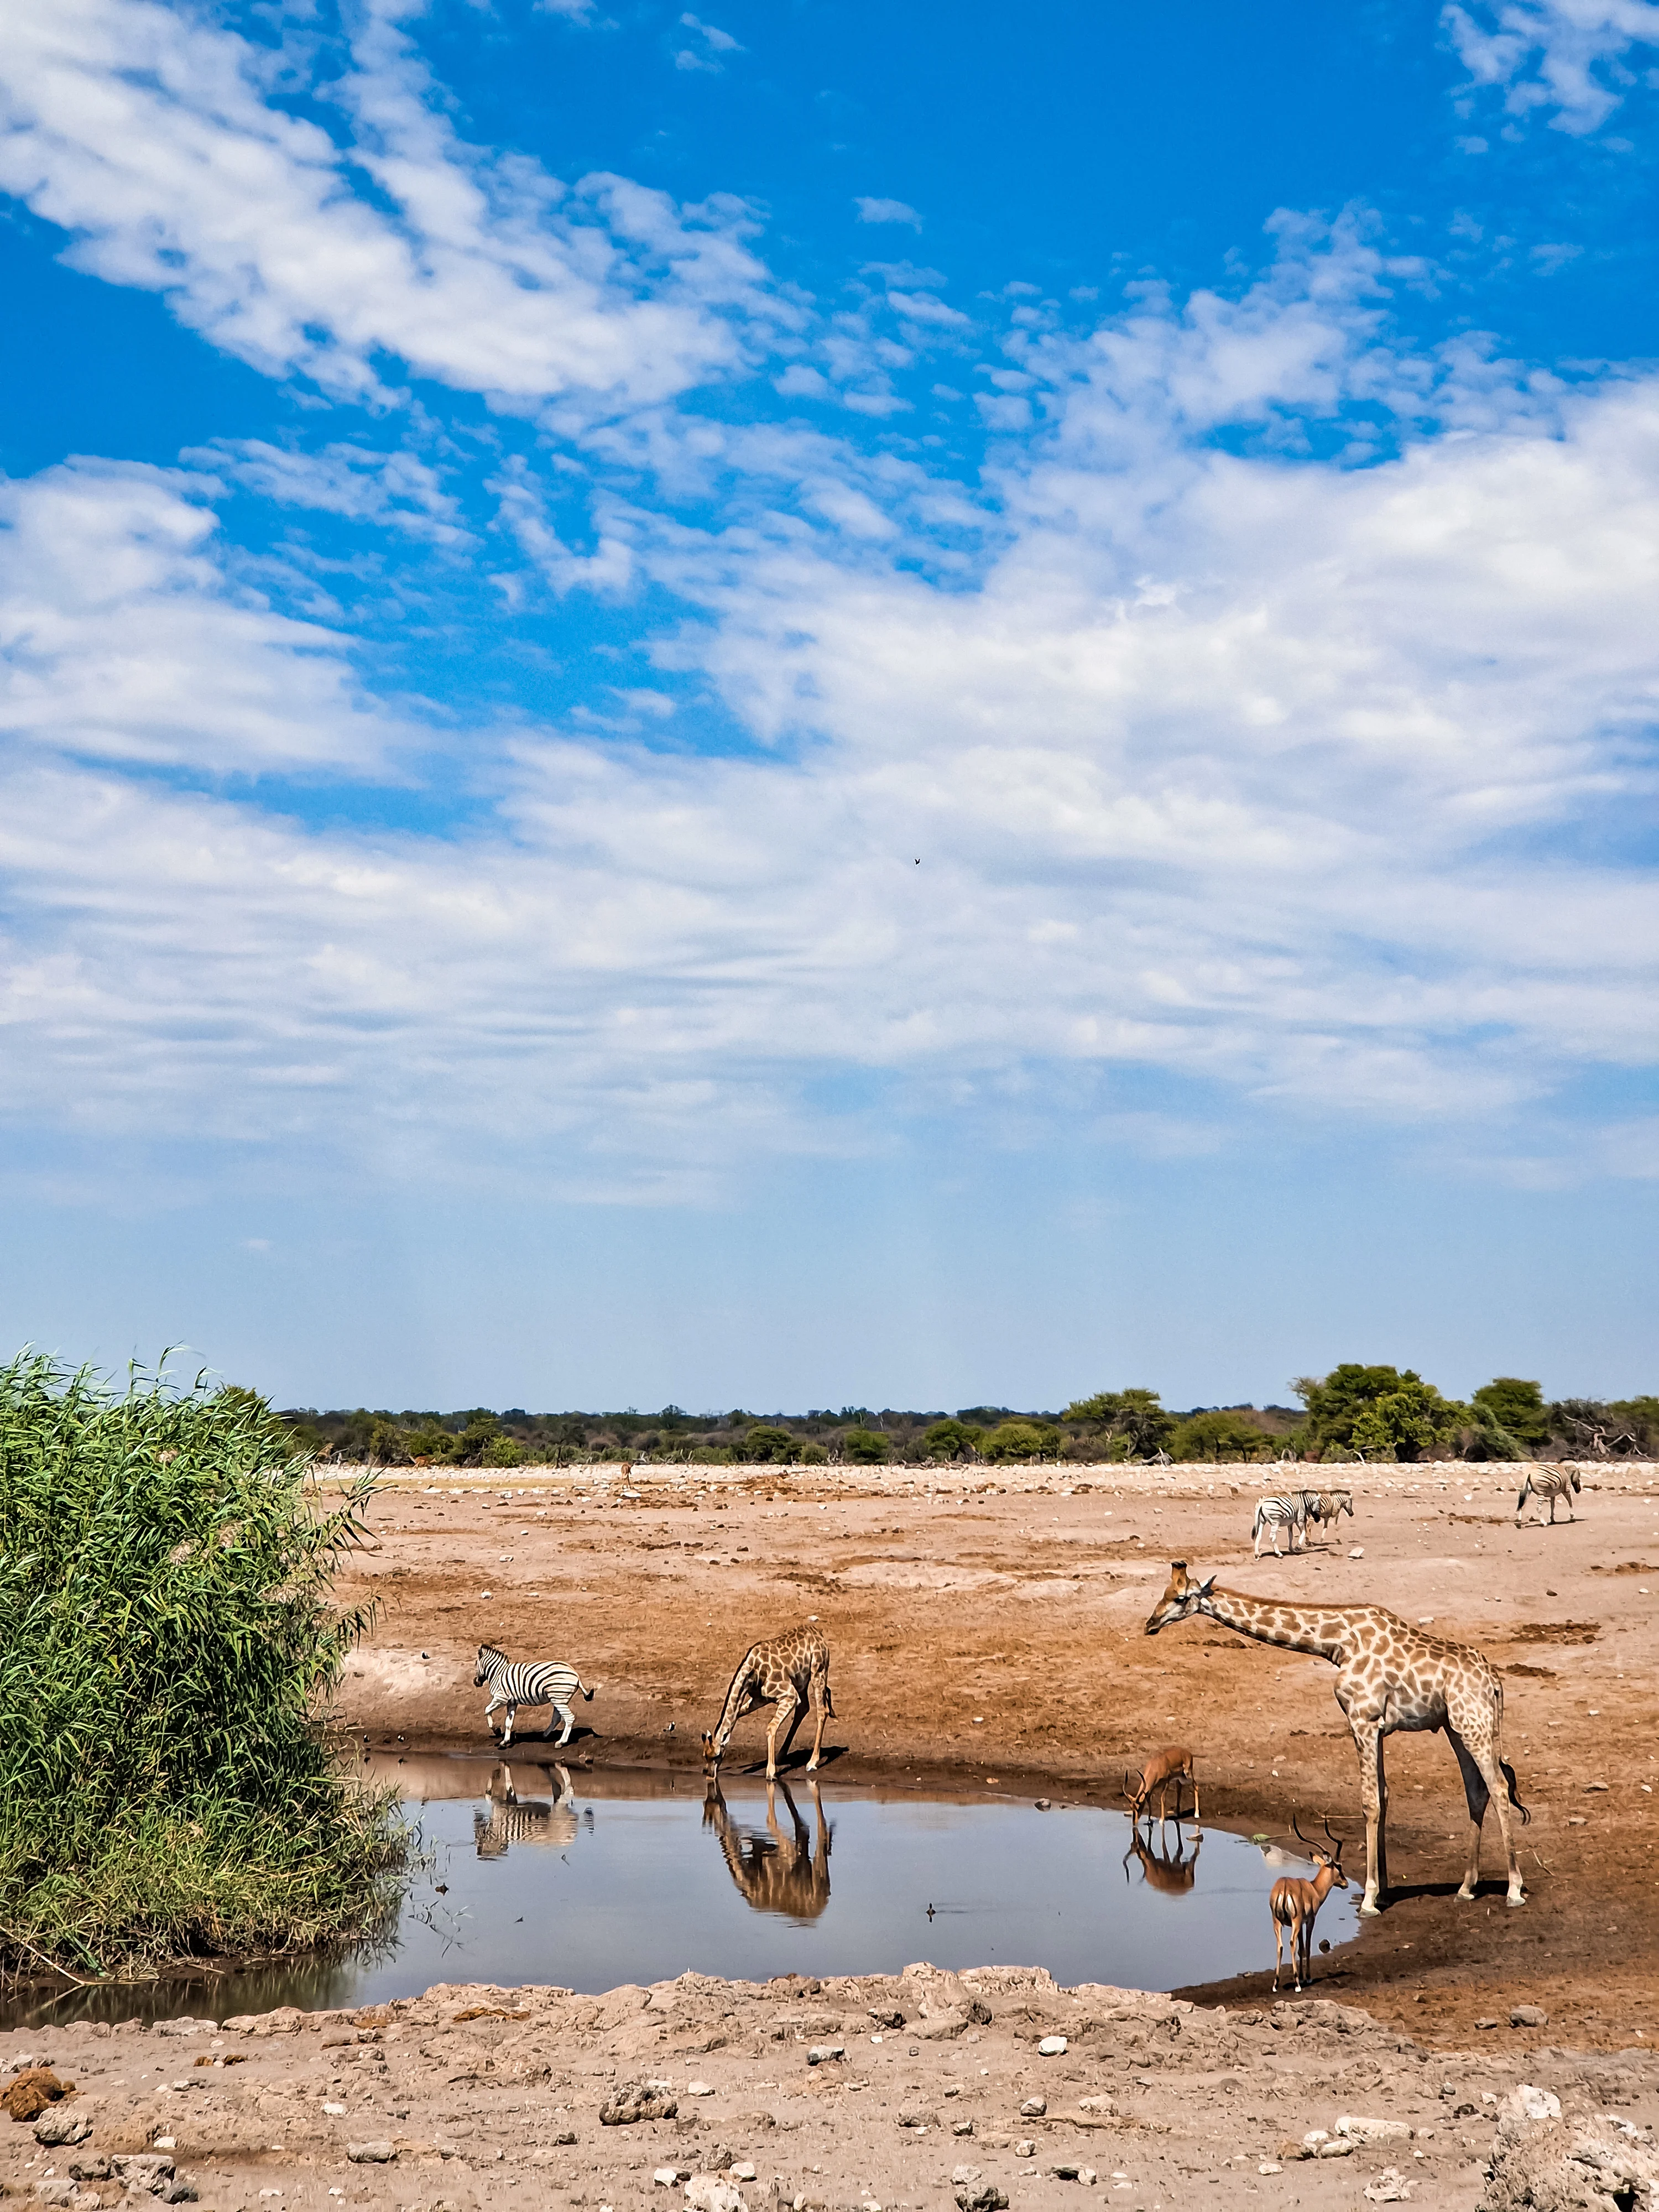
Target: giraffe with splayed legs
point(1390, 1676)
point(787, 1672)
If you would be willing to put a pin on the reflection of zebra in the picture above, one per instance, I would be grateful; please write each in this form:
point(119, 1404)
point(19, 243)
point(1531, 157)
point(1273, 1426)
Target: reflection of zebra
point(513, 1683)
point(1289, 1512)
point(1554, 1483)
point(512, 1820)
point(776, 1873)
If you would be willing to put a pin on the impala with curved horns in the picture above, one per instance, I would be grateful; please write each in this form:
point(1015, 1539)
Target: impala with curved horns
point(1295, 1901)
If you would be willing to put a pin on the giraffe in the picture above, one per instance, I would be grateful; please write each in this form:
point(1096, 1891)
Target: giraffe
point(786, 1671)
point(782, 1875)
point(1388, 1676)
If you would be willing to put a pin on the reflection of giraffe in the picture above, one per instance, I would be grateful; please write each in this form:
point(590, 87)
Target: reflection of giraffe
point(1170, 1877)
point(785, 1671)
point(510, 1819)
point(1388, 1676)
point(777, 1874)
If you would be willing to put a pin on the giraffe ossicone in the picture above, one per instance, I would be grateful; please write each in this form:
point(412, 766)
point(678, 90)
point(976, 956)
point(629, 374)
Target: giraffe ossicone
point(1390, 1677)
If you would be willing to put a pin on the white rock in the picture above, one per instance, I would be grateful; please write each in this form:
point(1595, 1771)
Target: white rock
point(708, 2192)
point(1033, 2108)
point(743, 2170)
point(960, 2173)
point(1025, 2147)
point(1389, 2189)
point(1052, 2046)
point(1531, 2103)
point(334, 2110)
point(1359, 2128)
point(665, 2176)
point(1087, 2176)
point(699, 2088)
point(1358, 1552)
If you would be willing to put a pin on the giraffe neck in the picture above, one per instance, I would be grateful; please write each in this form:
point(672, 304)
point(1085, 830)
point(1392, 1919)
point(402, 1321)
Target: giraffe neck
point(1323, 1634)
point(732, 1710)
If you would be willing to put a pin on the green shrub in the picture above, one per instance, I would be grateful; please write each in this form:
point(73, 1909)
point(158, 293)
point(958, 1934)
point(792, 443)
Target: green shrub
point(774, 1446)
point(1020, 1440)
point(167, 1645)
point(811, 1455)
point(501, 1451)
point(1209, 1438)
point(864, 1446)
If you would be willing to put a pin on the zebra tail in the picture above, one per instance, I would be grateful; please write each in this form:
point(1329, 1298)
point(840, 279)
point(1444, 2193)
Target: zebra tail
point(586, 1692)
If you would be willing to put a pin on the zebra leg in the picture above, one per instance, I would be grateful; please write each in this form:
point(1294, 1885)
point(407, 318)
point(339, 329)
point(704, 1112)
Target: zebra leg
point(1521, 1502)
point(493, 1701)
point(506, 1735)
point(568, 1717)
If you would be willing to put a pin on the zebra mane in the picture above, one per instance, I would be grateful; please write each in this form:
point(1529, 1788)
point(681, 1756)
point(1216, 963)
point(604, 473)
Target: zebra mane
point(491, 1651)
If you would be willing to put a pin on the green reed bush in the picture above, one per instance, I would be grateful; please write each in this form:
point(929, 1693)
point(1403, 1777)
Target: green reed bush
point(167, 1643)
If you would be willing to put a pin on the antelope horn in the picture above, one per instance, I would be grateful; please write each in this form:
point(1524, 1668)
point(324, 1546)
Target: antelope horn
point(1295, 1826)
point(1127, 1791)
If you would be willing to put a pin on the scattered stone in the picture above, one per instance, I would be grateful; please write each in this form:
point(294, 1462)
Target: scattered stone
point(1102, 2106)
point(917, 2116)
point(93, 2167)
point(1269, 2166)
point(1360, 2129)
point(638, 2101)
point(887, 2015)
point(1389, 2188)
point(57, 2126)
point(1025, 2147)
point(988, 2197)
point(1529, 2103)
point(1033, 2108)
point(1052, 2046)
point(1485, 2023)
point(695, 2088)
point(1042, 1805)
point(378, 2152)
point(143, 2169)
point(742, 2169)
point(961, 2174)
point(561, 2136)
point(1528, 2016)
point(708, 2192)
point(1537, 2162)
point(1087, 2176)
point(961, 2127)
point(666, 2176)
point(821, 2053)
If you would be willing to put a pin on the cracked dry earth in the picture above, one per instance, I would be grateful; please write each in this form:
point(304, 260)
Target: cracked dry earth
point(917, 2091)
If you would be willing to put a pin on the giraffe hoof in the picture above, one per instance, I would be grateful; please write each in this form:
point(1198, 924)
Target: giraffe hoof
point(1512, 1898)
point(1369, 1911)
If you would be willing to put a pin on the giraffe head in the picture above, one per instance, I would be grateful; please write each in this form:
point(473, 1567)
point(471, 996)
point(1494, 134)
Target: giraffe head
point(1183, 1598)
point(713, 1753)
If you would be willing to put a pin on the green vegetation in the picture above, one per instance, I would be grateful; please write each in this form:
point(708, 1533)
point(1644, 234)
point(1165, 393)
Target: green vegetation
point(167, 1640)
point(1356, 1412)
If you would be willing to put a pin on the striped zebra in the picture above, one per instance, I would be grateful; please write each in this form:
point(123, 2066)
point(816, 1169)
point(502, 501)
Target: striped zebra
point(1329, 1505)
point(1551, 1482)
point(1288, 1511)
point(513, 1683)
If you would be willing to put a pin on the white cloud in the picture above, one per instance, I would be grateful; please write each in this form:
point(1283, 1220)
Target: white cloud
point(147, 136)
point(720, 42)
point(121, 637)
point(873, 211)
point(1564, 57)
point(397, 489)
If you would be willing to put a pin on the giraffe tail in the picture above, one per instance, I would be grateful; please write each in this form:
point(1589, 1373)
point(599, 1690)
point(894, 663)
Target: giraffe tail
point(1508, 1773)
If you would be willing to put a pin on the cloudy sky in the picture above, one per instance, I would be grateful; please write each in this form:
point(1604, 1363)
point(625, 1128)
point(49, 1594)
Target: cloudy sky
point(829, 703)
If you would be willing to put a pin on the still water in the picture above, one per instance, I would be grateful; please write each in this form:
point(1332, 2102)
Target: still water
point(539, 1872)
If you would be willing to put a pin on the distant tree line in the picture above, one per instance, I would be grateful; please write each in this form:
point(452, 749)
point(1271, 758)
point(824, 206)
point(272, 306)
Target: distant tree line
point(1352, 1414)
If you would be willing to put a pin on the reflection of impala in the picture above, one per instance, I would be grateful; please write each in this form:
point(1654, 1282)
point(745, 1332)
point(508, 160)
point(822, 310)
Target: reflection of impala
point(510, 1819)
point(776, 1873)
point(1172, 1876)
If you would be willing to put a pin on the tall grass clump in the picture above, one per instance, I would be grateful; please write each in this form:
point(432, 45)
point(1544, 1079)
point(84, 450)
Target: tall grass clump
point(167, 1644)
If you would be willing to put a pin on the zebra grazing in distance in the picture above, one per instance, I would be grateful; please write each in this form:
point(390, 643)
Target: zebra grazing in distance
point(1289, 1512)
point(513, 1683)
point(1551, 1482)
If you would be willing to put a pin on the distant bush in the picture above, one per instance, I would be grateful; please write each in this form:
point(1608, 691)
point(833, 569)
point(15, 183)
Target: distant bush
point(864, 1446)
point(1021, 1440)
point(167, 1643)
point(811, 1455)
point(951, 1440)
point(1207, 1437)
point(769, 1443)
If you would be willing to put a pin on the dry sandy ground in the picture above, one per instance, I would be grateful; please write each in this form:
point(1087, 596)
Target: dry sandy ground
point(929, 2091)
point(1021, 1597)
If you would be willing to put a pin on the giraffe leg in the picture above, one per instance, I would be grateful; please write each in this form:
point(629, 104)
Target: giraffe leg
point(790, 1714)
point(1492, 1781)
point(821, 1705)
point(1374, 1795)
point(1478, 1794)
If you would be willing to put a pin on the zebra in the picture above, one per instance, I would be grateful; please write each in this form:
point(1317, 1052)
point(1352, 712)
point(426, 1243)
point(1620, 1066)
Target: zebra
point(1289, 1512)
point(1551, 1482)
point(510, 1819)
point(539, 1682)
point(1330, 1505)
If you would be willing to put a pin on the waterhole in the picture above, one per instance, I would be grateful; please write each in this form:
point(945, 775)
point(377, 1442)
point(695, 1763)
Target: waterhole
point(533, 1871)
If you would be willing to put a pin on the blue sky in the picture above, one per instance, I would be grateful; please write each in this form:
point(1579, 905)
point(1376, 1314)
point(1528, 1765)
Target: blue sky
point(815, 704)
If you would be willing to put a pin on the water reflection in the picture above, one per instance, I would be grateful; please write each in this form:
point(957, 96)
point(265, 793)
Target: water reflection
point(774, 1872)
point(508, 1819)
point(1171, 1873)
